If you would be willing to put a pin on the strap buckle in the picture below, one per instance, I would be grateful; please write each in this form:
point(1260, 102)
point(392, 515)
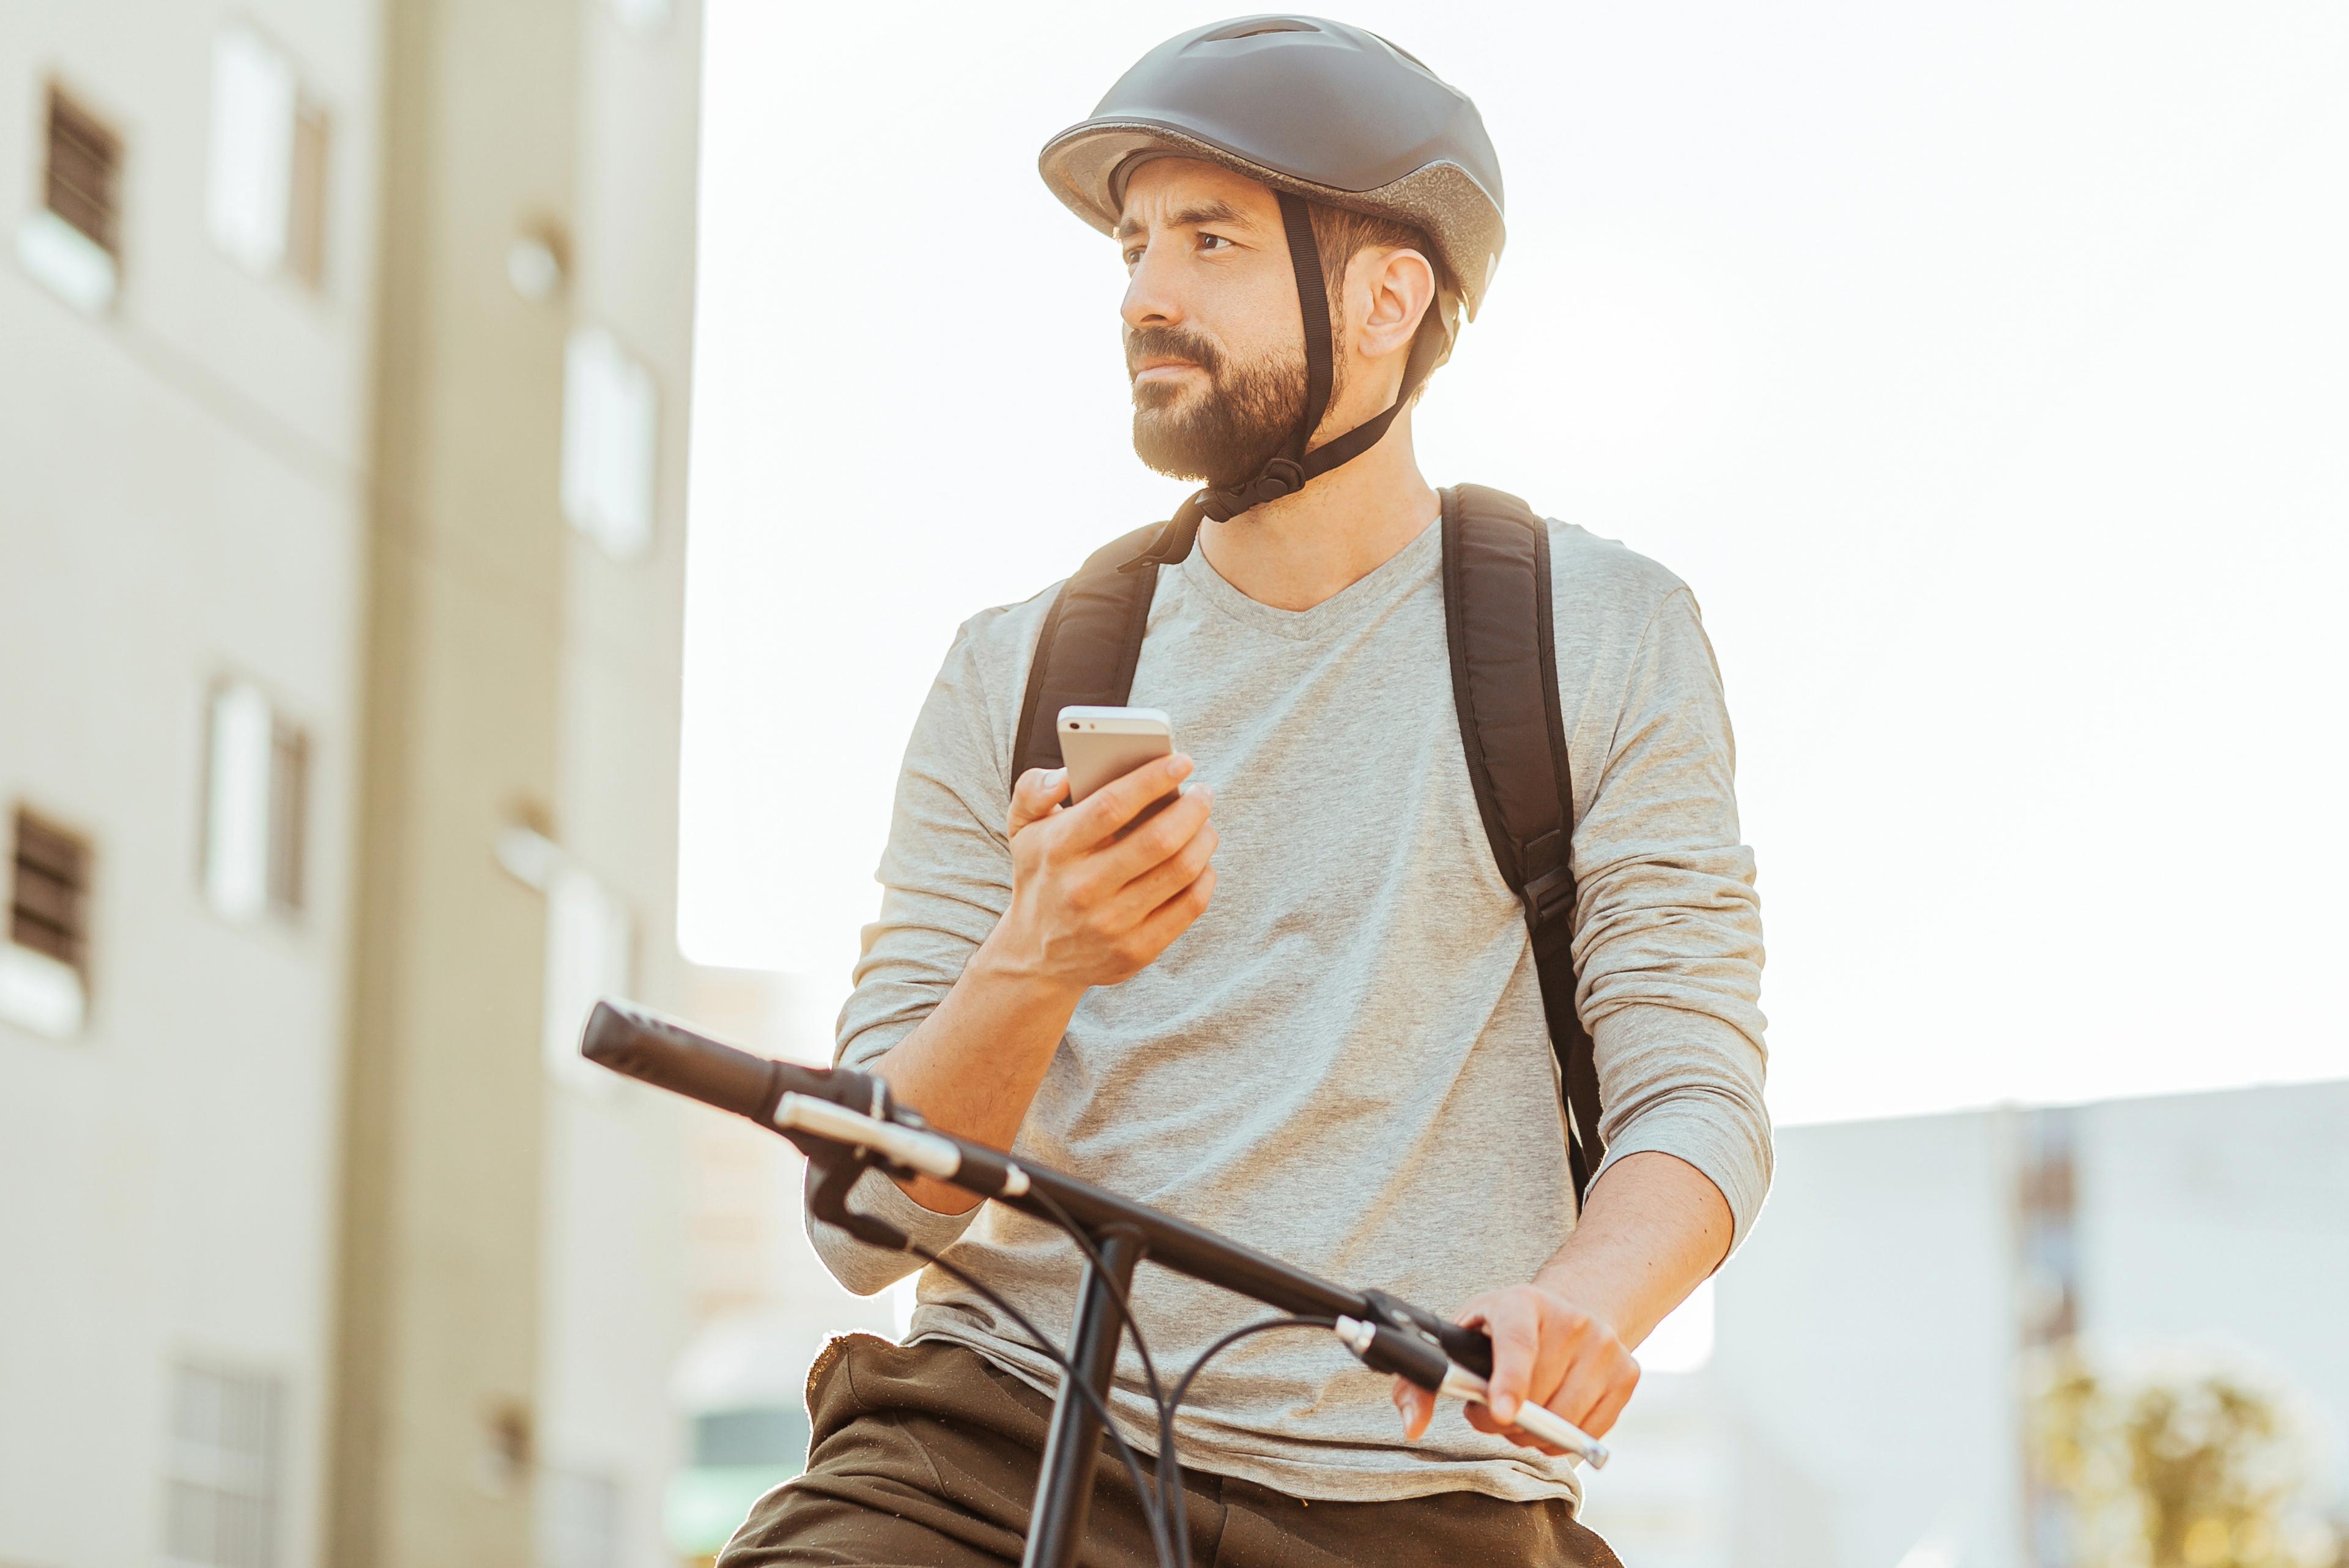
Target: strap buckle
point(1548, 896)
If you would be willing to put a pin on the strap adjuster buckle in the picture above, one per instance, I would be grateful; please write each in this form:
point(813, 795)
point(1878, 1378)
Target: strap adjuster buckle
point(1547, 895)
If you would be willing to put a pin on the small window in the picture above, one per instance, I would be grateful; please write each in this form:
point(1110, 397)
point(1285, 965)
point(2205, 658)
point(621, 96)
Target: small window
point(44, 966)
point(591, 938)
point(642, 16)
point(266, 206)
point(590, 955)
point(257, 807)
point(220, 1504)
point(770, 1437)
point(578, 1523)
point(610, 423)
point(73, 242)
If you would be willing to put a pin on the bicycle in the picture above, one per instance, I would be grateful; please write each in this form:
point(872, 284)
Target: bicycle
point(846, 1122)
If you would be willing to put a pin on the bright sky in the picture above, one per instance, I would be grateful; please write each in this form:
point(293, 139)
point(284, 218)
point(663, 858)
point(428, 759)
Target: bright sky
point(1983, 367)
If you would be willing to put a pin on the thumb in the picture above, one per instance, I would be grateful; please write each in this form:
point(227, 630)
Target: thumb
point(1037, 794)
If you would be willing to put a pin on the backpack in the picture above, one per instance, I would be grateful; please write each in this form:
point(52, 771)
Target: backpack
point(1496, 614)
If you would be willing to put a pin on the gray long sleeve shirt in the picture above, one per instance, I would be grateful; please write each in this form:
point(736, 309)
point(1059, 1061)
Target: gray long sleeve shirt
point(1344, 1061)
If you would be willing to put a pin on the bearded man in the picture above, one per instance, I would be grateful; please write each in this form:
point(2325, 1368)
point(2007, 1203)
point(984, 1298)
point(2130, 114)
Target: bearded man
point(1302, 1005)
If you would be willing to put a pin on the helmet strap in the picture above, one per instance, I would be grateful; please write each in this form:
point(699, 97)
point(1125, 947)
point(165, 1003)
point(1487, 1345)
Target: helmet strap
point(1296, 467)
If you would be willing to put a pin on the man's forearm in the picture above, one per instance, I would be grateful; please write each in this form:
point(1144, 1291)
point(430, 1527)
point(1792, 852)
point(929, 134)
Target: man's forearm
point(1653, 1229)
point(972, 1067)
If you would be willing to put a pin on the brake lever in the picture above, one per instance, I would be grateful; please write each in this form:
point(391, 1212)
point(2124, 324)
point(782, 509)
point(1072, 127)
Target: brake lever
point(1412, 1354)
point(838, 1168)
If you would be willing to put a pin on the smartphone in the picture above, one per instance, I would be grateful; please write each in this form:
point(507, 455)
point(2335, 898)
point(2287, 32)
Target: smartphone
point(1100, 745)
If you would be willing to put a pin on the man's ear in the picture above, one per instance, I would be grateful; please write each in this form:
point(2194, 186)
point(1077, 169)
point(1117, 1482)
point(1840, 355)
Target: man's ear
point(1389, 291)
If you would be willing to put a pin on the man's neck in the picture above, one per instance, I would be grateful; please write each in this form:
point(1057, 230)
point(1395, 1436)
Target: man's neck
point(1295, 552)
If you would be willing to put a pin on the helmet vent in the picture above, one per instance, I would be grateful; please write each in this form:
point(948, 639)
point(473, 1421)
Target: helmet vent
point(1255, 27)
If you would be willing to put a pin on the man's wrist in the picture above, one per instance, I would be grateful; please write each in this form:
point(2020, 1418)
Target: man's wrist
point(1001, 962)
point(1583, 1292)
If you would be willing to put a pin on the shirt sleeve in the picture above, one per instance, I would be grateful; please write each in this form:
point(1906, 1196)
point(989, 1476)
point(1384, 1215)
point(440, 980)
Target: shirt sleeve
point(946, 880)
point(1668, 938)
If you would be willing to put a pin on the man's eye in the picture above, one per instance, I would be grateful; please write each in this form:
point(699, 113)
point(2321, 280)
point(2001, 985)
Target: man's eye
point(1132, 257)
point(1210, 242)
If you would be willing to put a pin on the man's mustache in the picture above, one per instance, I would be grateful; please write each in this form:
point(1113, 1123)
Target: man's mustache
point(1171, 343)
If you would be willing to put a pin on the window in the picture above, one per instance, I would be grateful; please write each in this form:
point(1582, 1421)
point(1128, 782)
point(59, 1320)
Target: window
point(220, 1502)
point(44, 964)
point(642, 16)
point(591, 938)
point(590, 946)
point(610, 417)
point(266, 206)
point(578, 1519)
point(255, 806)
point(73, 242)
point(773, 1436)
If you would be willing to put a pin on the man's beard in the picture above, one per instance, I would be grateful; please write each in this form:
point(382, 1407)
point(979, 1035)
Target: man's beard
point(1225, 435)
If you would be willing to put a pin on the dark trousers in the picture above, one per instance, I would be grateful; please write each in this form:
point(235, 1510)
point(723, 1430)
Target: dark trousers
point(926, 1456)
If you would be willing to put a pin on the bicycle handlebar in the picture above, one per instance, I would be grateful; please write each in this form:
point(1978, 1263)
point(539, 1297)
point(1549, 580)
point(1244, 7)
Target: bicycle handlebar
point(778, 1094)
point(667, 1054)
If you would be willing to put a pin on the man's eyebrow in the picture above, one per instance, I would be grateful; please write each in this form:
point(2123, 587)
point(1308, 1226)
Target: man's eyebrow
point(1190, 217)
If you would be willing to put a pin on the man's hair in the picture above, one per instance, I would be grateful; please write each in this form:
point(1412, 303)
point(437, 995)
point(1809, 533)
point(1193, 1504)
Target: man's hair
point(1341, 234)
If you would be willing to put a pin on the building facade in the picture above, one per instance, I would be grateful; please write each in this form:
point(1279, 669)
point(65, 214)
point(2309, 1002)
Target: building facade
point(344, 358)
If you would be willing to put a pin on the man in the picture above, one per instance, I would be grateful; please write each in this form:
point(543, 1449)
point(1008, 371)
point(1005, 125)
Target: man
point(1297, 1005)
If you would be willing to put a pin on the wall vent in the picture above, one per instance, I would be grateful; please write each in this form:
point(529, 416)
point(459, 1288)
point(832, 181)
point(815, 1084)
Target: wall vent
point(45, 963)
point(73, 241)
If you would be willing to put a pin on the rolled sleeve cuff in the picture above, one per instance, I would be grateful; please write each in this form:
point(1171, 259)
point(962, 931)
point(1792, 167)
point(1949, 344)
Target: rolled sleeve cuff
point(1712, 1134)
point(867, 1269)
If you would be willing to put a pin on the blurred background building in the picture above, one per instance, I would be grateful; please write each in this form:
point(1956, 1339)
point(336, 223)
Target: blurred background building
point(1886, 1345)
point(344, 358)
point(344, 352)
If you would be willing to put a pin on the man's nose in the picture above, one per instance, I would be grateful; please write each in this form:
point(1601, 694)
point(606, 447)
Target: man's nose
point(1151, 299)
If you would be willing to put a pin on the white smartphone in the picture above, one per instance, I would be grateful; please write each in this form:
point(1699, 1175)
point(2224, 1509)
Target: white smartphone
point(1100, 745)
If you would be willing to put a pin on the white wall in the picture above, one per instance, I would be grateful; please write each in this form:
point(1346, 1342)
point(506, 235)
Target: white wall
point(182, 500)
point(1866, 1334)
point(2221, 1223)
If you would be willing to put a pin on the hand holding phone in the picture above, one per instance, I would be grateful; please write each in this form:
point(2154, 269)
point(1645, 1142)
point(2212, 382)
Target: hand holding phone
point(1102, 883)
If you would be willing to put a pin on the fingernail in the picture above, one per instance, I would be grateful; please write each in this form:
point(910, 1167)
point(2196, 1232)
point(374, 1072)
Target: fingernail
point(1504, 1406)
point(1177, 765)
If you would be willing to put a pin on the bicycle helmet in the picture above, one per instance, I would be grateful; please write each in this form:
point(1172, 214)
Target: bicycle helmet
point(1320, 112)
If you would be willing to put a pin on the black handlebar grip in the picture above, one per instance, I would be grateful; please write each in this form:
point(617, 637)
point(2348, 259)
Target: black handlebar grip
point(1470, 1348)
point(671, 1056)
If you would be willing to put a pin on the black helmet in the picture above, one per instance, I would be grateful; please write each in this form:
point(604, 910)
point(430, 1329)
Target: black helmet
point(1317, 110)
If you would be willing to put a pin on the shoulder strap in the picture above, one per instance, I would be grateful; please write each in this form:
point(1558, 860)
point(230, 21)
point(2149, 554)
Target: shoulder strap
point(1496, 612)
point(1087, 650)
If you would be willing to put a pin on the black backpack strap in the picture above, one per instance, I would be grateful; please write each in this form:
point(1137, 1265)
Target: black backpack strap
point(1496, 612)
point(1091, 641)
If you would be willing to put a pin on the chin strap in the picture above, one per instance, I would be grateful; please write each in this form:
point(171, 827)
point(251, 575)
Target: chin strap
point(1296, 467)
